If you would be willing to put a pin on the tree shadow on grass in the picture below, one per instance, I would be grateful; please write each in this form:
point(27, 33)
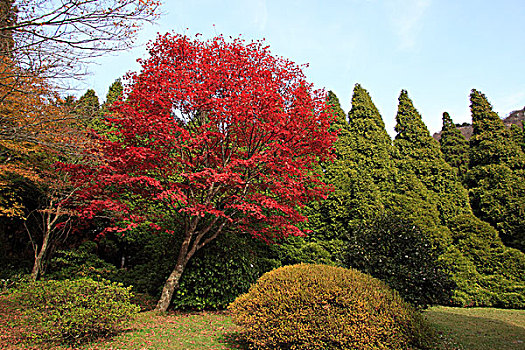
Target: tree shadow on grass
point(234, 340)
point(477, 332)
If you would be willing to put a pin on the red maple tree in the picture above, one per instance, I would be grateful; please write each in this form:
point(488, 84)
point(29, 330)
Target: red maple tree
point(212, 135)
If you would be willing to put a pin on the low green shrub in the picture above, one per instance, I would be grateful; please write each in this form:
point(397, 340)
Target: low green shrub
point(325, 307)
point(487, 272)
point(73, 311)
point(81, 262)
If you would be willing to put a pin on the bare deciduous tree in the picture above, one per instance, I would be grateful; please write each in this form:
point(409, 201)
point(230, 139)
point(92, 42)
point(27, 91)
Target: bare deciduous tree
point(50, 42)
point(56, 38)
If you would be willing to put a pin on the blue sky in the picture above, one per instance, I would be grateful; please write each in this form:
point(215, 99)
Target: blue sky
point(438, 50)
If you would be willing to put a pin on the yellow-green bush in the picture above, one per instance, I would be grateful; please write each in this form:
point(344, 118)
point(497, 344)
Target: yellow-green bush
point(73, 311)
point(324, 307)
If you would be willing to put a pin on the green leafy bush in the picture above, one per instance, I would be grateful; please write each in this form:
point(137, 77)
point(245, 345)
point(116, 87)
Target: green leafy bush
point(81, 262)
point(220, 272)
point(214, 277)
point(324, 307)
point(295, 250)
point(72, 311)
point(398, 253)
point(487, 272)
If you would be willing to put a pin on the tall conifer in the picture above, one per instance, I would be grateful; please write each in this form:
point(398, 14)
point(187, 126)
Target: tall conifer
point(363, 169)
point(114, 94)
point(454, 146)
point(361, 172)
point(418, 154)
point(476, 257)
point(88, 105)
point(496, 179)
point(328, 219)
point(335, 105)
point(370, 142)
point(491, 141)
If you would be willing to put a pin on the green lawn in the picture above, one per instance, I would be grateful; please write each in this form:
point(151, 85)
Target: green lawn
point(175, 331)
point(479, 328)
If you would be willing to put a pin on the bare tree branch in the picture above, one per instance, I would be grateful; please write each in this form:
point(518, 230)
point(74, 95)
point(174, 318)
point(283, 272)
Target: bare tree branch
point(58, 38)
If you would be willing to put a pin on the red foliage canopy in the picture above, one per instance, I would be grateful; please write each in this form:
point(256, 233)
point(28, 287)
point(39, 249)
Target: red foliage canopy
point(213, 133)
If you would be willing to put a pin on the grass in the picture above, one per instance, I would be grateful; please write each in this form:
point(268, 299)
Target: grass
point(203, 330)
point(459, 329)
point(479, 328)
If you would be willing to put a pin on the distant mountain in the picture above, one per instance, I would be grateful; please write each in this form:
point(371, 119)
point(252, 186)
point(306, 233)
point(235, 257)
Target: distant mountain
point(516, 117)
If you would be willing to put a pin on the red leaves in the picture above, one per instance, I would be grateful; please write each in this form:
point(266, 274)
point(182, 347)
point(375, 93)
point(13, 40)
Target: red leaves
point(216, 129)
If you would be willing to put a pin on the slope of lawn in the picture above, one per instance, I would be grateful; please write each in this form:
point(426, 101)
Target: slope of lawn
point(479, 328)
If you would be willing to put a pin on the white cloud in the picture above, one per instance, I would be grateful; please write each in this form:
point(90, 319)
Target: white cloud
point(406, 17)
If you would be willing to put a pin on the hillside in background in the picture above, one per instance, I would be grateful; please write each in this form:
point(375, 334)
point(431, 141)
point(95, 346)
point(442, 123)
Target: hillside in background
point(516, 117)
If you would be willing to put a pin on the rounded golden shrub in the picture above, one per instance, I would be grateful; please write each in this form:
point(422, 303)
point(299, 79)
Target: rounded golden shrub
point(324, 307)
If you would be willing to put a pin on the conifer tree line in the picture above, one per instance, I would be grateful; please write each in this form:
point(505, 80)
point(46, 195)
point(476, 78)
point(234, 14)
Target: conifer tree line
point(464, 200)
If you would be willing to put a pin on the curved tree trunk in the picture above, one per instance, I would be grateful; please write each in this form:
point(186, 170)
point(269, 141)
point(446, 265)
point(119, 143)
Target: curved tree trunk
point(187, 250)
point(40, 254)
point(39, 257)
point(172, 284)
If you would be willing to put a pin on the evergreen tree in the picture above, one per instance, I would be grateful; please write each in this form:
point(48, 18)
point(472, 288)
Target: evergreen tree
point(114, 94)
point(88, 105)
point(491, 141)
point(434, 199)
point(518, 135)
point(371, 144)
point(99, 113)
point(496, 179)
point(413, 181)
point(454, 146)
point(418, 154)
point(360, 174)
point(486, 271)
point(329, 218)
point(363, 165)
point(335, 105)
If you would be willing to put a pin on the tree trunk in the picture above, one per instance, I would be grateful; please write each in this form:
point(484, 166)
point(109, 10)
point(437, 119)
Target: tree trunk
point(172, 283)
point(39, 256)
point(187, 250)
point(169, 288)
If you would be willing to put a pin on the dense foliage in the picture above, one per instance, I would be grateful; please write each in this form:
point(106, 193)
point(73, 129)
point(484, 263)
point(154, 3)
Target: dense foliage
point(362, 174)
point(418, 155)
point(397, 252)
point(454, 146)
point(323, 307)
point(496, 173)
point(487, 272)
point(73, 311)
